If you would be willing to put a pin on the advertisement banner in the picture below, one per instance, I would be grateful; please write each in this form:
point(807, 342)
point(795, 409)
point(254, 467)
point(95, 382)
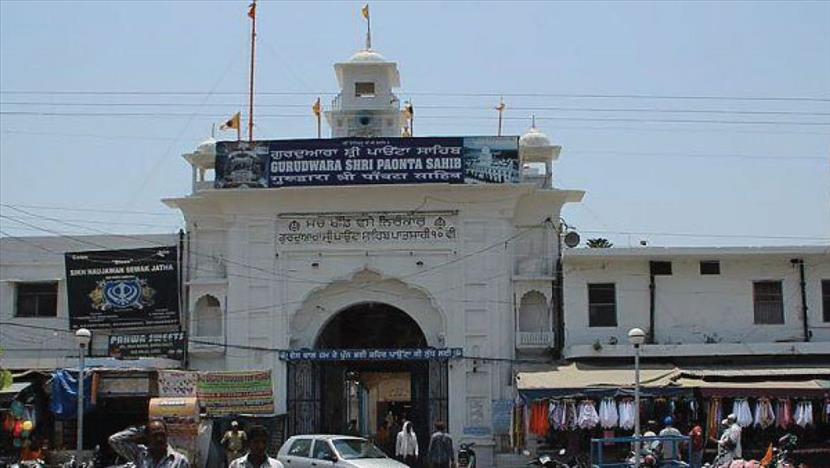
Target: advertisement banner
point(225, 393)
point(123, 288)
point(177, 383)
point(366, 161)
point(169, 345)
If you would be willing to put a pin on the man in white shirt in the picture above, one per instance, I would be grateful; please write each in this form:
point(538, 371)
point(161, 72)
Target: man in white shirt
point(256, 456)
point(735, 435)
point(147, 447)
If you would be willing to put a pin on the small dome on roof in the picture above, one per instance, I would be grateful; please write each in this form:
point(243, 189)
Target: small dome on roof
point(367, 56)
point(207, 147)
point(534, 138)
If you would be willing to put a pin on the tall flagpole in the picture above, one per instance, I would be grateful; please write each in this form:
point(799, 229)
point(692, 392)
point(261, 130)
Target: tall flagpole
point(252, 15)
point(500, 108)
point(369, 32)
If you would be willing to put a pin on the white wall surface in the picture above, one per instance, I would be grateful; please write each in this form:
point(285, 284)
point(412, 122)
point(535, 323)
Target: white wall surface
point(691, 308)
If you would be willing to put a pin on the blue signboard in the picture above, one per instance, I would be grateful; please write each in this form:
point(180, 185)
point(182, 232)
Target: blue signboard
point(366, 161)
point(397, 354)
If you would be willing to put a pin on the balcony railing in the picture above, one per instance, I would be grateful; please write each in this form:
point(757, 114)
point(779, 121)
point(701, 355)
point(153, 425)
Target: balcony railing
point(542, 339)
point(533, 265)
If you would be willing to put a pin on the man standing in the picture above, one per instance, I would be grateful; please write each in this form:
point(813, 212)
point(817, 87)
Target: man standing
point(735, 435)
point(256, 456)
point(698, 443)
point(670, 449)
point(441, 453)
point(234, 442)
point(147, 447)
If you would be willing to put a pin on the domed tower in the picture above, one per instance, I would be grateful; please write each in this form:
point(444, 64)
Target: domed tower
point(537, 155)
point(366, 106)
point(201, 161)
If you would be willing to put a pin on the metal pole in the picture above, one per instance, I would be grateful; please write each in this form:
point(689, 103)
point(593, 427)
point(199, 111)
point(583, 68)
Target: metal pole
point(636, 406)
point(80, 446)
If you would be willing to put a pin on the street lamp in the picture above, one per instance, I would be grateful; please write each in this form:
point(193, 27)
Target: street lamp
point(636, 336)
point(82, 338)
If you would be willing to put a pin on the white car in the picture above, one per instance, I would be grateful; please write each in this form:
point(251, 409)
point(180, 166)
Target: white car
point(338, 451)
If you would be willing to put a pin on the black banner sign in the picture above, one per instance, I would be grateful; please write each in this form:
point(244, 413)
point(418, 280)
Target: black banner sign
point(123, 288)
point(366, 161)
point(168, 345)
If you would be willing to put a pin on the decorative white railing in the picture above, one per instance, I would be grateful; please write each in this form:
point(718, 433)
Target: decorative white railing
point(543, 339)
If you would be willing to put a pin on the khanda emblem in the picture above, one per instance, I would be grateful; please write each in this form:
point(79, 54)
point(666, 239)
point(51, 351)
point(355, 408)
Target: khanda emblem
point(122, 293)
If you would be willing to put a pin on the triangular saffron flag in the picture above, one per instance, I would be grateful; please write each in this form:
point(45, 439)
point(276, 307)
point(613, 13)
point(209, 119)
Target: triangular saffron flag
point(317, 108)
point(365, 11)
point(252, 10)
point(233, 122)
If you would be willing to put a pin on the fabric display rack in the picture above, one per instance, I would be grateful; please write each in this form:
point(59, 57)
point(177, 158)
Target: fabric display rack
point(571, 420)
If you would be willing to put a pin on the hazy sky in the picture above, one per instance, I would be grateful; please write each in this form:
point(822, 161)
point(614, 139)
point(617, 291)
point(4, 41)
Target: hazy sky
point(673, 171)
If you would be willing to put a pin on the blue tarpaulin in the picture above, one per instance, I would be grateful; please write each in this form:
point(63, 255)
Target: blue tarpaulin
point(64, 402)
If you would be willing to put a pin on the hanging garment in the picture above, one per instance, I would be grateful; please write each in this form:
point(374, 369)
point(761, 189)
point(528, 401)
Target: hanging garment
point(559, 414)
point(587, 417)
point(804, 413)
point(783, 413)
point(741, 410)
point(571, 415)
point(825, 415)
point(764, 413)
point(714, 416)
point(608, 414)
point(551, 410)
point(693, 409)
point(626, 413)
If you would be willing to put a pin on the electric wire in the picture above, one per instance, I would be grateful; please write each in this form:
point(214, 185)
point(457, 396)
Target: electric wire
point(442, 94)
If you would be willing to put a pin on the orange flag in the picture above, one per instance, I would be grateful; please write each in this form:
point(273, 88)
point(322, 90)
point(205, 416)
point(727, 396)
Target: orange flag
point(252, 10)
point(767, 460)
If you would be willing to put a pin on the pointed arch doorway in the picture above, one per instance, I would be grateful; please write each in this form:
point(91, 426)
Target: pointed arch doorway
point(324, 396)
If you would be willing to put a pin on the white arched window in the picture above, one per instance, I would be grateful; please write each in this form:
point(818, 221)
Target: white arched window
point(207, 317)
point(533, 313)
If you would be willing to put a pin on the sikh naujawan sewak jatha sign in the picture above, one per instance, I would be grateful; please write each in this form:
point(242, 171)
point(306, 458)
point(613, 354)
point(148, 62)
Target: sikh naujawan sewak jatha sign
point(366, 161)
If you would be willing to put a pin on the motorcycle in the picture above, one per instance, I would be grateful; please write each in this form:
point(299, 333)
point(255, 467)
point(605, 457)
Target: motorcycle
point(466, 455)
point(546, 461)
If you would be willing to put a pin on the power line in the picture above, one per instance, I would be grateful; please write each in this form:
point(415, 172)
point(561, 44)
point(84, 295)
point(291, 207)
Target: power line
point(443, 94)
point(445, 117)
point(426, 199)
point(421, 106)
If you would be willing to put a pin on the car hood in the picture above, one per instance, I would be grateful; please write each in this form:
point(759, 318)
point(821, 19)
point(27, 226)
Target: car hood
point(372, 463)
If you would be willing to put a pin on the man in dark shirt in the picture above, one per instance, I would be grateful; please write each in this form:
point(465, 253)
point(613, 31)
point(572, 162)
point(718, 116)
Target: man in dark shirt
point(441, 453)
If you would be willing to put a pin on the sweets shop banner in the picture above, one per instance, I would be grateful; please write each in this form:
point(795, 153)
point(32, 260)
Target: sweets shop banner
point(169, 345)
point(367, 161)
point(123, 288)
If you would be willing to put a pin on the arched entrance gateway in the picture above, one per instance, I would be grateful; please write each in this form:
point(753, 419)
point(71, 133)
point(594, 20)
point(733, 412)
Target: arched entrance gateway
point(325, 392)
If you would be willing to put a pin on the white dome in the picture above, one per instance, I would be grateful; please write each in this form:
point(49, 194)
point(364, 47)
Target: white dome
point(207, 147)
point(534, 139)
point(367, 56)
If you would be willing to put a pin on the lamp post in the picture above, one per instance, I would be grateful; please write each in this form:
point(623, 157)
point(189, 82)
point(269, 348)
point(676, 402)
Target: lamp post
point(636, 336)
point(82, 338)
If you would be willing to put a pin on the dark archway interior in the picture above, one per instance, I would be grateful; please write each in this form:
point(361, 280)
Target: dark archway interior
point(371, 325)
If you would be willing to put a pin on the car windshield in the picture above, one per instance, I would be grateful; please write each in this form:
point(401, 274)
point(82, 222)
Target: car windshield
point(350, 449)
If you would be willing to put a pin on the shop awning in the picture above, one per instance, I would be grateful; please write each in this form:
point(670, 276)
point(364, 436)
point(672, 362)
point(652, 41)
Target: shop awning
point(12, 390)
point(597, 381)
point(762, 388)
